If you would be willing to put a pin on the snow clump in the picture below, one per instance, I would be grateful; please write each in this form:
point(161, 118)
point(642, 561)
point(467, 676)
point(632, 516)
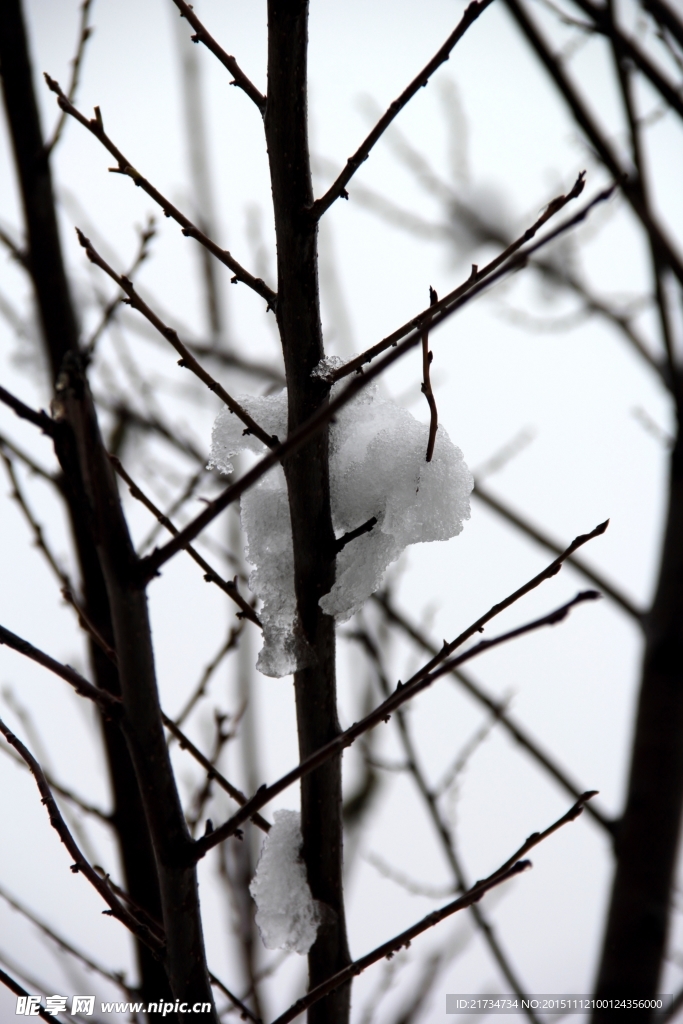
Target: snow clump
point(287, 915)
point(377, 469)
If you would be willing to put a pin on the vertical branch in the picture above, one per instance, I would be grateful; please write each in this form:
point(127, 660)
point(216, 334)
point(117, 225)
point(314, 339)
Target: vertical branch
point(427, 384)
point(60, 336)
point(647, 840)
point(307, 473)
point(185, 959)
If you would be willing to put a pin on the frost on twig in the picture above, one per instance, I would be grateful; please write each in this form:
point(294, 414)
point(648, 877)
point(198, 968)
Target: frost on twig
point(377, 470)
point(287, 915)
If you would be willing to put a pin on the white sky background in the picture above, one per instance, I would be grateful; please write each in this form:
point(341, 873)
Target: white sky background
point(574, 686)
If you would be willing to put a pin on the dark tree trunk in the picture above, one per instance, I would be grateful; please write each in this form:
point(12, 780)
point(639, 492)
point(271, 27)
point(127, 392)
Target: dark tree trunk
point(60, 336)
point(647, 838)
point(307, 473)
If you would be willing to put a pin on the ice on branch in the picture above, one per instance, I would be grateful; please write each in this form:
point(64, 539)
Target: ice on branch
point(287, 915)
point(377, 469)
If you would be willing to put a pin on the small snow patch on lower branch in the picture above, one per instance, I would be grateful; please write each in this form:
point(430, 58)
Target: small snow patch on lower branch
point(287, 915)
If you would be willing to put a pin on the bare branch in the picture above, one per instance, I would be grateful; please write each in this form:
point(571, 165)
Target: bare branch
point(210, 575)
point(84, 32)
point(190, 230)
point(427, 384)
point(542, 538)
point(338, 188)
point(80, 864)
point(202, 36)
point(146, 235)
point(151, 564)
point(604, 24)
point(200, 689)
point(187, 360)
point(497, 709)
point(237, 1003)
point(403, 692)
point(24, 412)
point(213, 773)
point(108, 704)
point(60, 790)
point(475, 278)
point(15, 987)
point(513, 866)
point(115, 978)
point(596, 137)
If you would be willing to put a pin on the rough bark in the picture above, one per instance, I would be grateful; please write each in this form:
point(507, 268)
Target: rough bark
point(307, 473)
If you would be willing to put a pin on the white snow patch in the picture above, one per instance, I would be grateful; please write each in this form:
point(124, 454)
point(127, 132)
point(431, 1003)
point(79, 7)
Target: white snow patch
point(377, 468)
point(287, 915)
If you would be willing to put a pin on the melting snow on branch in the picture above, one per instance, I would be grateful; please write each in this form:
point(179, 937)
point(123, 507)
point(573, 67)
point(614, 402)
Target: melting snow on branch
point(377, 469)
point(287, 915)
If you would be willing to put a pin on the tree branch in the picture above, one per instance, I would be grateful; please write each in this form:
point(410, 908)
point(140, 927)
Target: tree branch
point(80, 864)
point(475, 278)
point(513, 866)
point(84, 32)
point(498, 709)
point(203, 36)
point(115, 978)
point(338, 188)
point(604, 24)
point(542, 538)
point(298, 437)
point(427, 384)
point(210, 575)
point(24, 412)
point(595, 136)
point(403, 692)
point(187, 360)
point(190, 230)
point(210, 768)
point(106, 702)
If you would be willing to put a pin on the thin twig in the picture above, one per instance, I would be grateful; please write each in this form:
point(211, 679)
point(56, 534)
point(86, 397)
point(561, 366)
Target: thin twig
point(338, 188)
point(146, 235)
point(595, 136)
point(237, 1003)
point(25, 412)
point(115, 977)
point(604, 24)
point(210, 575)
point(107, 702)
point(427, 357)
point(14, 249)
point(430, 799)
point(80, 864)
point(36, 528)
point(542, 538)
point(186, 744)
point(184, 496)
point(149, 566)
point(403, 692)
point(200, 689)
point(476, 277)
point(203, 36)
point(30, 463)
point(497, 709)
point(84, 32)
point(63, 791)
point(513, 866)
point(15, 987)
point(187, 360)
point(190, 230)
